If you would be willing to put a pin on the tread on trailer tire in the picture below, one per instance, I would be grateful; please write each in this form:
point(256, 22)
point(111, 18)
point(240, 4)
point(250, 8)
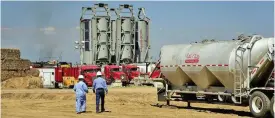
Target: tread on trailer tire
point(272, 107)
point(259, 99)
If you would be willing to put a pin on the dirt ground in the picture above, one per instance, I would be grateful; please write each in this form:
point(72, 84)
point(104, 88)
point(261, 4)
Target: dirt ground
point(120, 102)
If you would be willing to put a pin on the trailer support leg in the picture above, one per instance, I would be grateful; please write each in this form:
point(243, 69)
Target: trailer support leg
point(167, 102)
point(188, 105)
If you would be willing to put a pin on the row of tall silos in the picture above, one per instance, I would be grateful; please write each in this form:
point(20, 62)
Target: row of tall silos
point(114, 35)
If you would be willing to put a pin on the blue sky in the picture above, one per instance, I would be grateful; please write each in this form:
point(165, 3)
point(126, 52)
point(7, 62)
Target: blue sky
point(30, 26)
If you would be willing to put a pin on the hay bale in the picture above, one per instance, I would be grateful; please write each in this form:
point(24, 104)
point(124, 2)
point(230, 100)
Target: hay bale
point(5, 75)
point(10, 64)
point(33, 72)
point(23, 82)
point(8, 53)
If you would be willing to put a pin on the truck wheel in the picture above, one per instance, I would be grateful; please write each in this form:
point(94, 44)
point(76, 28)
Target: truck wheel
point(272, 107)
point(56, 85)
point(259, 104)
point(124, 84)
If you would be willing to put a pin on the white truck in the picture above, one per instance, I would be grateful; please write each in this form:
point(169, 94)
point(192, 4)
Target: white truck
point(234, 71)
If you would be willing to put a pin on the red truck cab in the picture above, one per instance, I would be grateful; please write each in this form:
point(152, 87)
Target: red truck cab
point(89, 73)
point(131, 71)
point(113, 73)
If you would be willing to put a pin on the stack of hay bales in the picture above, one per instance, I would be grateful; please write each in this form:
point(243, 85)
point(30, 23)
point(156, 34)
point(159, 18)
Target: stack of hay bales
point(13, 66)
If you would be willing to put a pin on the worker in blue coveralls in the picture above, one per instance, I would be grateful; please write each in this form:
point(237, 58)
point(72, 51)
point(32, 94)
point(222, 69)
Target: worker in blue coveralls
point(100, 89)
point(80, 91)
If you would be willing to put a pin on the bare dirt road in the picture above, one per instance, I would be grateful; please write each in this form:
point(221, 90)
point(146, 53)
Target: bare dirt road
point(120, 102)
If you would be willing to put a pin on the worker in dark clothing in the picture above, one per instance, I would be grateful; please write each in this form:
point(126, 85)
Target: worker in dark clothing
point(100, 89)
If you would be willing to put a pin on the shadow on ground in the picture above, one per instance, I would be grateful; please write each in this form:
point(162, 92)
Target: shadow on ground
point(214, 110)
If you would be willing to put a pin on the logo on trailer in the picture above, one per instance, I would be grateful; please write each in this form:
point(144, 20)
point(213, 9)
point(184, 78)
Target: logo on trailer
point(192, 58)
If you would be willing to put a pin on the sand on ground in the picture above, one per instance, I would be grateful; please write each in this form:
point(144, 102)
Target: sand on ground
point(120, 102)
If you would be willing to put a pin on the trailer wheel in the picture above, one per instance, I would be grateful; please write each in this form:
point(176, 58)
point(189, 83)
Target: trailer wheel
point(259, 104)
point(272, 107)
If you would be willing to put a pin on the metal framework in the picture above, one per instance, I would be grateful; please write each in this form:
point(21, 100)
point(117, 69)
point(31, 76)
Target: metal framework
point(105, 40)
point(100, 37)
point(123, 45)
point(81, 45)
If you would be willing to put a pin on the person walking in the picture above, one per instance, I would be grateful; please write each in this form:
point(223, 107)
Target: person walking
point(80, 91)
point(100, 89)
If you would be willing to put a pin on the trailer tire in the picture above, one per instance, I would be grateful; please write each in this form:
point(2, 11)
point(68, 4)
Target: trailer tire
point(272, 107)
point(259, 99)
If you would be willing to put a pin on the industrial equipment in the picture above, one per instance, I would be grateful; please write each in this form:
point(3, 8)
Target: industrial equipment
point(108, 40)
point(142, 33)
point(101, 34)
point(234, 71)
point(50, 64)
point(125, 35)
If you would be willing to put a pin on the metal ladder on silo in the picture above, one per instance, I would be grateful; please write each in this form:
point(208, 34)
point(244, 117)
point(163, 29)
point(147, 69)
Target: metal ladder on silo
point(238, 75)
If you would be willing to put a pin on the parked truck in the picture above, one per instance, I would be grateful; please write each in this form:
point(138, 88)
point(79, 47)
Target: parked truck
point(131, 71)
point(233, 71)
point(89, 73)
point(114, 74)
point(68, 77)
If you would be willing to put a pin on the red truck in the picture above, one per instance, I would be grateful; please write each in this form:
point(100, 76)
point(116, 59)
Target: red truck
point(131, 71)
point(89, 73)
point(113, 74)
point(68, 76)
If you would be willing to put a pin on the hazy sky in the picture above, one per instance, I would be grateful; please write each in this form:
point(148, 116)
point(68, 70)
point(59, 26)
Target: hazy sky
point(32, 26)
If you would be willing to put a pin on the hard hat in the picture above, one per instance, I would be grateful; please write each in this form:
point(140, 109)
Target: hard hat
point(98, 73)
point(80, 77)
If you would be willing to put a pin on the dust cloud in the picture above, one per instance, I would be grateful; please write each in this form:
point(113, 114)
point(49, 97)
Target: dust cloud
point(44, 35)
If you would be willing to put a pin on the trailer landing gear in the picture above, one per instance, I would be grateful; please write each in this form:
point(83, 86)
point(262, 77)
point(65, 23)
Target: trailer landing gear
point(188, 105)
point(168, 102)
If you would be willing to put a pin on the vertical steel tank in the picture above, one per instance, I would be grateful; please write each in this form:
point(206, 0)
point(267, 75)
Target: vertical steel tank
point(143, 39)
point(212, 63)
point(127, 39)
point(103, 37)
point(86, 37)
point(113, 39)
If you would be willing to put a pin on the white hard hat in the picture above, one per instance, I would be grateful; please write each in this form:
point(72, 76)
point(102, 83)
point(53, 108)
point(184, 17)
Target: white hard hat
point(80, 77)
point(98, 73)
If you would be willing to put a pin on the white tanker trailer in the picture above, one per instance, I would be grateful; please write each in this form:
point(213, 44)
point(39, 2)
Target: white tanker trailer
point(234, 71)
